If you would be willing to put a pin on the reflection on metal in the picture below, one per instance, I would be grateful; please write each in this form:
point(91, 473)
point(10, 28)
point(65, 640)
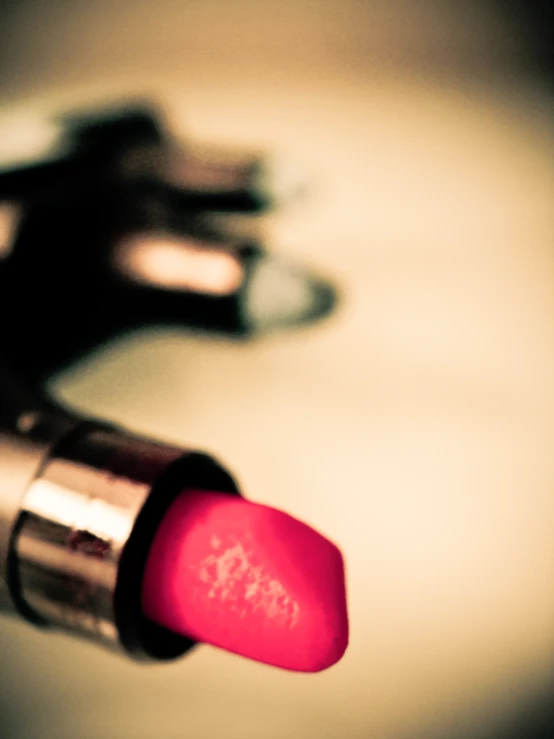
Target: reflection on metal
point(179, 264)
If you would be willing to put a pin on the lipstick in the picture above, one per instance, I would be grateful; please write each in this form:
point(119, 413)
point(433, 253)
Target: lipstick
point(226, 571)
point(146, 549)
point(131, 142)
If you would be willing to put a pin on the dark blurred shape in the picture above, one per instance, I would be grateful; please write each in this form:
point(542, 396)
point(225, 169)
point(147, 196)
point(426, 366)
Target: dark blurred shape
point(66, 291)
point(533, 21)
point(114, 227)
point(130, 142)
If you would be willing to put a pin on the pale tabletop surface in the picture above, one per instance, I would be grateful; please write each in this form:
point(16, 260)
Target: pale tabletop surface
point(415, 428)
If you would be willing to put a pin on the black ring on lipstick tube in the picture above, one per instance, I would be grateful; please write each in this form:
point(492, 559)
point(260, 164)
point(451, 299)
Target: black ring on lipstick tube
point(142, 637)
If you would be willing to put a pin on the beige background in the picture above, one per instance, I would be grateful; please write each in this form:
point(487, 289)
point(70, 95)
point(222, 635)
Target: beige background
point(415, 427)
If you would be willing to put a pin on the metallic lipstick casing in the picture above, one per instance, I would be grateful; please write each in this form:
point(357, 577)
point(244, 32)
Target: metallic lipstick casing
point(80, 504)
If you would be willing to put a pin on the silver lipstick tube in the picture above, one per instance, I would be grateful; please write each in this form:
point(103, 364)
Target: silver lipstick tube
point(80, 503)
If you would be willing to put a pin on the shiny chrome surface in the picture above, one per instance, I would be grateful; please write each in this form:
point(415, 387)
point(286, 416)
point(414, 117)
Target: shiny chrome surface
point(76, 519)
point(83, 535)
point(25, 442)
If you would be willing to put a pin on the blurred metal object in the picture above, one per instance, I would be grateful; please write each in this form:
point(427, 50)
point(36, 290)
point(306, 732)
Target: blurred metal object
point(103, 259)
point(130, 141)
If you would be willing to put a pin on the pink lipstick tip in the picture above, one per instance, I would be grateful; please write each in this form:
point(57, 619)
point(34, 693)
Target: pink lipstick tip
point(249, 579)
